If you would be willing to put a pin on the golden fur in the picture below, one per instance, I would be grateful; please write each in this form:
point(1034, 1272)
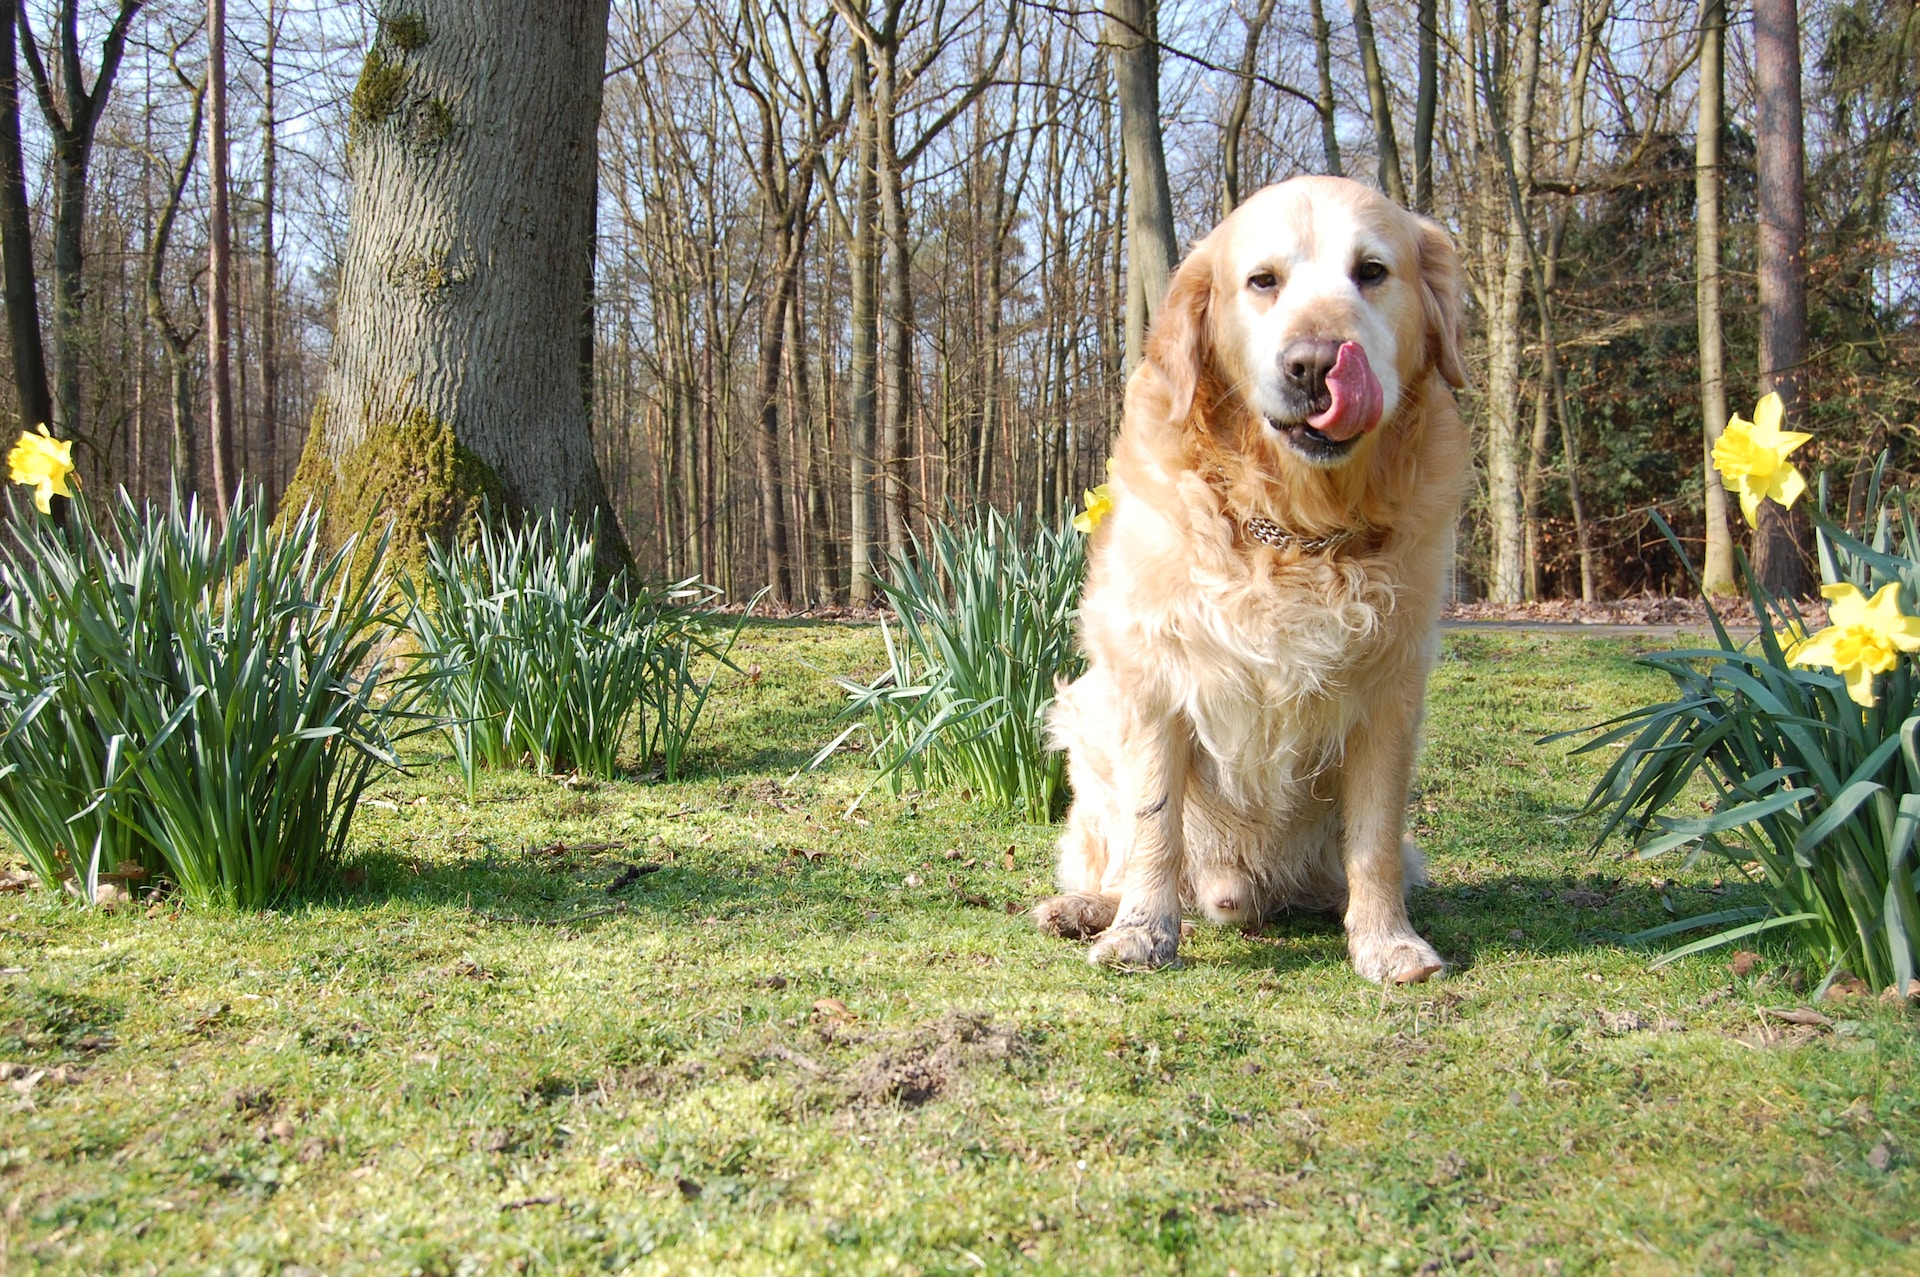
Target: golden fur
point(1244, 737)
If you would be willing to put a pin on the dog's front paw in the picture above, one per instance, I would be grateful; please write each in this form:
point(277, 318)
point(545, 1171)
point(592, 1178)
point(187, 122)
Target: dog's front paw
point(1135, 947)
point(1394, 959)
point(1077, 915)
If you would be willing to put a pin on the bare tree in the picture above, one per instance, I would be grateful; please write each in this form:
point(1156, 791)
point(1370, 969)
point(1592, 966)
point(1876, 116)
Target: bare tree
point(1717, 574)
point(1323, 67)
point(219, 266)
point(72, 113)
point(1237, 113)
point(1508, 94)
point(270, 258)
point(176, 342)
point(1426, 101)
point(16, 243)
point(1778, 559)
point(1133, 37)
point(1386, 143)
point(779, 77)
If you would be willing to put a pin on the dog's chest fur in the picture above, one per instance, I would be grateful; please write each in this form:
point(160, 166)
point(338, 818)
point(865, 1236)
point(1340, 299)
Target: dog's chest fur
point(1278, 660)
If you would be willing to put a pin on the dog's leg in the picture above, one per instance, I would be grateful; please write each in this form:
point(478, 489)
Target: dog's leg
point(1145, 931)
point(1373, 799)
point(1083, 909)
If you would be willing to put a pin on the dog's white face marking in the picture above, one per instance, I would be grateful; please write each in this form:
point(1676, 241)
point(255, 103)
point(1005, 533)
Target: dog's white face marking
point(1300, 274)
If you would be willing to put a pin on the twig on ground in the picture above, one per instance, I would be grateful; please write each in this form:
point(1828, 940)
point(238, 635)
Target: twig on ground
point(525, 1202)
point(792, 1056)
point(618, 906)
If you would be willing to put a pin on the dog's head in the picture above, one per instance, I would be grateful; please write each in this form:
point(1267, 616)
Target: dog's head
point(1317, 311)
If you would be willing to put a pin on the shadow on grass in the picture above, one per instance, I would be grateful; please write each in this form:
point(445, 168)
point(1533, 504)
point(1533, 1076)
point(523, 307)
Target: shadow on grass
point(541, 887)
point(1541, 914)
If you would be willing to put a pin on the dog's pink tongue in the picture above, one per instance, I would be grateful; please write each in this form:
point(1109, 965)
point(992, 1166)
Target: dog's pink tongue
point(1358, 400)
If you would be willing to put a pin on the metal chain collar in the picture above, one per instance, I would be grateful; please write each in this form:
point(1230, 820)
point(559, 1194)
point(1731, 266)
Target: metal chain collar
point(1267, 532)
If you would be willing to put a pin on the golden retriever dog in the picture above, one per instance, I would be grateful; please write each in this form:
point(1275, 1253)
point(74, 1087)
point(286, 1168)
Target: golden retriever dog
point(1261, 603)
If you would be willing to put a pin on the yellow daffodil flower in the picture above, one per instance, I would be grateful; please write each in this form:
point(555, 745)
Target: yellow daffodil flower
point(1865, 637)
point(44, 462)
point(1751, 457)
point(1792, 636)
point(1099, 503)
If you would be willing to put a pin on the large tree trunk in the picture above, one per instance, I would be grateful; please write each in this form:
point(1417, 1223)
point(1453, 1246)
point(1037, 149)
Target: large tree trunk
point(1151, 248)
point(1779, 559)
point(1717, 576)
point(453, 372)
point(16, 243)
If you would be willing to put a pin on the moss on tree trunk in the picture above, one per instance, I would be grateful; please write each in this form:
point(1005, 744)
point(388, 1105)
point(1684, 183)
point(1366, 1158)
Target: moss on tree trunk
point(412, 473)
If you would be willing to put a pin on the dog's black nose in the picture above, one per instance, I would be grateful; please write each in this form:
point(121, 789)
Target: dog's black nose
point(1305, 364)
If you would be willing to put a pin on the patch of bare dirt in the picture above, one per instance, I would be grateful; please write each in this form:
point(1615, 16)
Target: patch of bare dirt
point(906, 1067)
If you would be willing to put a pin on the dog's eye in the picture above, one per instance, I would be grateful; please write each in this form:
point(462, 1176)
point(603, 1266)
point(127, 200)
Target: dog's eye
point(1370, 271)
point(1262, 281)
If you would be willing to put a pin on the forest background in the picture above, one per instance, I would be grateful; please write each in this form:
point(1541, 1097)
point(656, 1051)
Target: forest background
point(857, 265)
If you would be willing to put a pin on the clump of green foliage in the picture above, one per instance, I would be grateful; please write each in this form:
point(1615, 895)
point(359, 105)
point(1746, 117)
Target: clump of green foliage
point(538, 661)
point(1817, 796)
point(377, 94)
point(987, 614)
point(181, 699)
point(404, 31)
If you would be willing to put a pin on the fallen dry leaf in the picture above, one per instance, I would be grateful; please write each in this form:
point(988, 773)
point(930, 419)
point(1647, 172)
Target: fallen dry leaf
point(833, 1009)
point(1881, 1157)
point(110, 895)
point(1009, 858)
point(1846, 985)
point(1744, 961)
point(1798, 1015)
point(15, 880)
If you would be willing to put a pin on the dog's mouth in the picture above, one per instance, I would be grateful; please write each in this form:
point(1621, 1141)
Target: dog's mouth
point(1316, 447)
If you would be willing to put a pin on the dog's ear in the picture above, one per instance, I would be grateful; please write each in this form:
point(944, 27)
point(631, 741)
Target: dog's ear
point(1440, 295)
point(1178, 346)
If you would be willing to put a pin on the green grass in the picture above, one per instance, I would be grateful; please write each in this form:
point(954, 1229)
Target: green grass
point(398, 1078)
